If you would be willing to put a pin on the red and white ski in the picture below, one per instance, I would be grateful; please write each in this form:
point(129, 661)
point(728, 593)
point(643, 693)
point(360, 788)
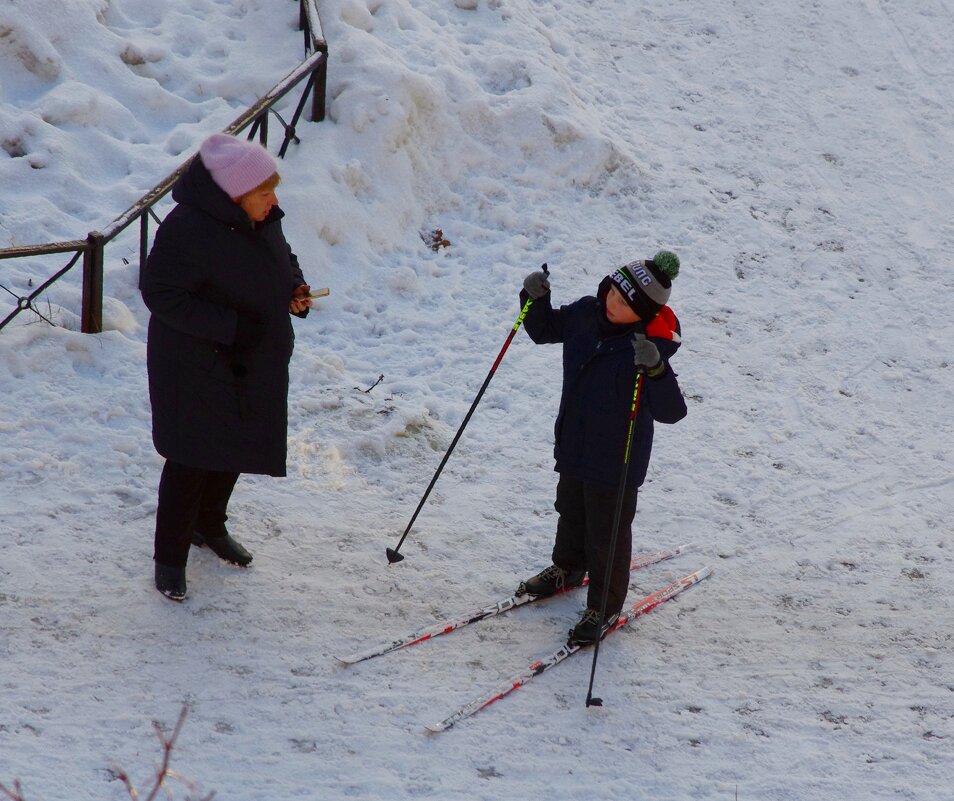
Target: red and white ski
point(496, 608)
point(538, 666)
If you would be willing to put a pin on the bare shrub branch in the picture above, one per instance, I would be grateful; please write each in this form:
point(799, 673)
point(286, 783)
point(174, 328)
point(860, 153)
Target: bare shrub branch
point(16, 794)
point(164, 774)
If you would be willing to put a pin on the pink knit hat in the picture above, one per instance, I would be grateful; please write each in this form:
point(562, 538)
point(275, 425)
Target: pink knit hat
point(236, 165)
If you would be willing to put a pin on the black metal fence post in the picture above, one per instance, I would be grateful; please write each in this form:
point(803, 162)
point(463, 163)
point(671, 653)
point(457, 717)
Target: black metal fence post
point(92, 319)
point(320, 88)
point(143, 239)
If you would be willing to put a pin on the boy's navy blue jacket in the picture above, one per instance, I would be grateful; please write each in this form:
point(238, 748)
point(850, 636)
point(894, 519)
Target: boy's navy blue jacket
point(598, 381)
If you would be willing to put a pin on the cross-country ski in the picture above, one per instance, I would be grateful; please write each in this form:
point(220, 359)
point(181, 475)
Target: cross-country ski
point(490, 610)
point(538, 666)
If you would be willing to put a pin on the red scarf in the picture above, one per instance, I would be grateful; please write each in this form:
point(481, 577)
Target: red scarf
point(664, 326)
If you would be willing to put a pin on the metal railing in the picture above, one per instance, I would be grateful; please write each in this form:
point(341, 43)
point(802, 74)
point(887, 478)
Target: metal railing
point(313, 72)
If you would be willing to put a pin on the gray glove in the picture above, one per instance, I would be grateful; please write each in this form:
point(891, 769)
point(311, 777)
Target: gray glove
point(646, 357)
point(536, 285)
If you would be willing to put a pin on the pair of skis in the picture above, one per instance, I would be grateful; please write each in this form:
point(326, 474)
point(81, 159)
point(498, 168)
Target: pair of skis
point(538, 666)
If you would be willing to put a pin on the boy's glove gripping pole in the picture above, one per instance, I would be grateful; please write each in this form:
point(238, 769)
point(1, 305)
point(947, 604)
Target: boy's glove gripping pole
point(393, 553)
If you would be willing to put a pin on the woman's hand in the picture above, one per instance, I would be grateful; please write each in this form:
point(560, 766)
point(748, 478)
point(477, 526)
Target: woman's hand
point(300, 301)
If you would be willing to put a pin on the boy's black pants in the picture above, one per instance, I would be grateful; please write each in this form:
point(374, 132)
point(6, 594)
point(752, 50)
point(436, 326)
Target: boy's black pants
point(190, 499)
point(583, 536)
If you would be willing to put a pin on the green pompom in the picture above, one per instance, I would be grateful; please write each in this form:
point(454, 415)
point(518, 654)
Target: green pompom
point(668, 262)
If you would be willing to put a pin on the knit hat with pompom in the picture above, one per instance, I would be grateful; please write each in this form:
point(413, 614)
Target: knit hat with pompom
point(647, 284)
point(236, 165)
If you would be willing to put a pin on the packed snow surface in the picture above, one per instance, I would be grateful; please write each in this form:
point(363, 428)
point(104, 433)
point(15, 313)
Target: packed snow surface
point(795, 155)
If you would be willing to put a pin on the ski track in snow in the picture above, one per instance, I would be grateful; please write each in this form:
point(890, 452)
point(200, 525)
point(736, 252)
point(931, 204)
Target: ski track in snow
point(797, 160)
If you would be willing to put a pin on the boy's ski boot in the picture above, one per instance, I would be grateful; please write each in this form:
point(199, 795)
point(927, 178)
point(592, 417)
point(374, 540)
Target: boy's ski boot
point(589, 630)
point(550, 581)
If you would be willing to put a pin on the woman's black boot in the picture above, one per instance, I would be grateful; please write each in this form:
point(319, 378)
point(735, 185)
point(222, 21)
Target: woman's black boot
point(225, 547)
point(171, 581)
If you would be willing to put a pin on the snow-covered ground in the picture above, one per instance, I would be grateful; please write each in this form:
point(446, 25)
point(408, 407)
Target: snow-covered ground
point(796, 156)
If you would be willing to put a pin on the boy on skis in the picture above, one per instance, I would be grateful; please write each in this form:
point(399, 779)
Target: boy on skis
point(626, 329)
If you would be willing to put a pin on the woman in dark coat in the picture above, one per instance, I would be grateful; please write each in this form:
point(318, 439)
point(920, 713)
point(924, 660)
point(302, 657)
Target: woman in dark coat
point(607, 339)
point(220, 282)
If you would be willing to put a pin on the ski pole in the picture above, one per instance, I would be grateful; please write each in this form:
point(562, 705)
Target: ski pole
point(393, 555)
point(637, 390)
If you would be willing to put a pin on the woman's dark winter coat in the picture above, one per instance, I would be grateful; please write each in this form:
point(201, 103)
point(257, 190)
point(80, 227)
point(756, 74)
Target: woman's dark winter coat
point(598, 381)
point(220, 335)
